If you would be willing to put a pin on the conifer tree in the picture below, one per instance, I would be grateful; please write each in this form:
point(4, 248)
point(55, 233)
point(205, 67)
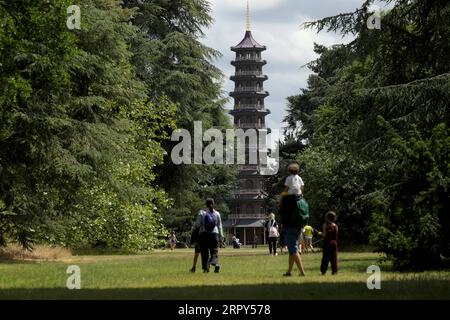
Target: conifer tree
point(378, 130)
point(79, 135)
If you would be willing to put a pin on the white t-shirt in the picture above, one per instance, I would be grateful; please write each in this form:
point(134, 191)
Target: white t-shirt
point(295, 184)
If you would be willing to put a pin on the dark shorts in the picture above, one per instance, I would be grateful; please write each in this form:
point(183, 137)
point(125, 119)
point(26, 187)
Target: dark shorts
point(197, 248)
point(291, 239)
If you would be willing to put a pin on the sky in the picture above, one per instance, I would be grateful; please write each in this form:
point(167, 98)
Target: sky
point(277, 25)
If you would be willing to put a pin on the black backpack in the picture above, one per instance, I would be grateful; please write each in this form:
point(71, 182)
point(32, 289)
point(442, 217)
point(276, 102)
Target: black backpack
point(210, 221)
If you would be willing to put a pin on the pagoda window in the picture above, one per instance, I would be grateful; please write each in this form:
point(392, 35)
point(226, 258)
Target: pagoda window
point(249, 209)
point(249, 184)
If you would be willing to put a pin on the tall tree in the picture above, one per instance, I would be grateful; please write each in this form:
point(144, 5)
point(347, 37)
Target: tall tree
point(172, 61)
point(380, 134)
point(76, 151)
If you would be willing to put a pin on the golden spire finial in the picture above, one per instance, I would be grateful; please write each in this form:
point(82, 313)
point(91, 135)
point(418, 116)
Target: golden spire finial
point(248, 17)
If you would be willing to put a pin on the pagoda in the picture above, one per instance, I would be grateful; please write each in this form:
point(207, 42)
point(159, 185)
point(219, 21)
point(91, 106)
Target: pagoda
point(249, 112)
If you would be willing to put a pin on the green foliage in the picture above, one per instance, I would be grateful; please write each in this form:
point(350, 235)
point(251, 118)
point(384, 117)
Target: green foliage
point(375, 117)
point(86, 116)
point(79, 139)
point(413, 227)
point(172, 62)
point(34, 78)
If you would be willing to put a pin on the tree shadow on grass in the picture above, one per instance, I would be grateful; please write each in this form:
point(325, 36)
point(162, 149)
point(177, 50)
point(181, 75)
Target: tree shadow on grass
point(405, 289)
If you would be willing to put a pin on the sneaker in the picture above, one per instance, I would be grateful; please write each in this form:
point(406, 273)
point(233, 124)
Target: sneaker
point(287, 274)
point(205, 270)
point(216, 269)
point(276, 254)
point(192, 270)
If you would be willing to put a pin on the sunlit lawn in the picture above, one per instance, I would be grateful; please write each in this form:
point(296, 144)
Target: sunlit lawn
point(245, 274)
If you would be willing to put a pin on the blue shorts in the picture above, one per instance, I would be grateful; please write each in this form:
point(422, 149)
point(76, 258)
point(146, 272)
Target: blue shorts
point(291, 239)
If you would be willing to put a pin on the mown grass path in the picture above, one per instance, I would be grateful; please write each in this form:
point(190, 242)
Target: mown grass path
point(245, 274)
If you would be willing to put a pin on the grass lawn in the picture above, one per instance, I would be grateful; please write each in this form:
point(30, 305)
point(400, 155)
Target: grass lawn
point(245, 274)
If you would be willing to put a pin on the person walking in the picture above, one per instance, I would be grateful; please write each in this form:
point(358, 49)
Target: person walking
point(330, 244)
point(209, 223)
point(172, 240)
point(197, 252)
point(291, 218)
point(255, 240)
point(273, 234)
point(308, 232)
point(195, 240)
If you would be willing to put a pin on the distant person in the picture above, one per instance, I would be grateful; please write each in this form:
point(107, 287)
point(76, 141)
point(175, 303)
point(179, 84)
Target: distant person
point(172, 240)
point(308, 232)
point(255, 241)
point(273, 234)
point(209, 223)
point(291, 217)
point(236, 242)
point(330, 244)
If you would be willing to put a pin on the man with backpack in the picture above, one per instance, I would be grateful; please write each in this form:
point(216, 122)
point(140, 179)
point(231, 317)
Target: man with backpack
point(209, 223)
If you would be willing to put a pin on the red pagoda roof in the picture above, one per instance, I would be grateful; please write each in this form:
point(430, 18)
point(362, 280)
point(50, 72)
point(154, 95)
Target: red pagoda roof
point(248, 43)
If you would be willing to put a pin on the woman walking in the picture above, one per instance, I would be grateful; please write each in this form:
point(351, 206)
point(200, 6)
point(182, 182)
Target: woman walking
point(273, 234)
